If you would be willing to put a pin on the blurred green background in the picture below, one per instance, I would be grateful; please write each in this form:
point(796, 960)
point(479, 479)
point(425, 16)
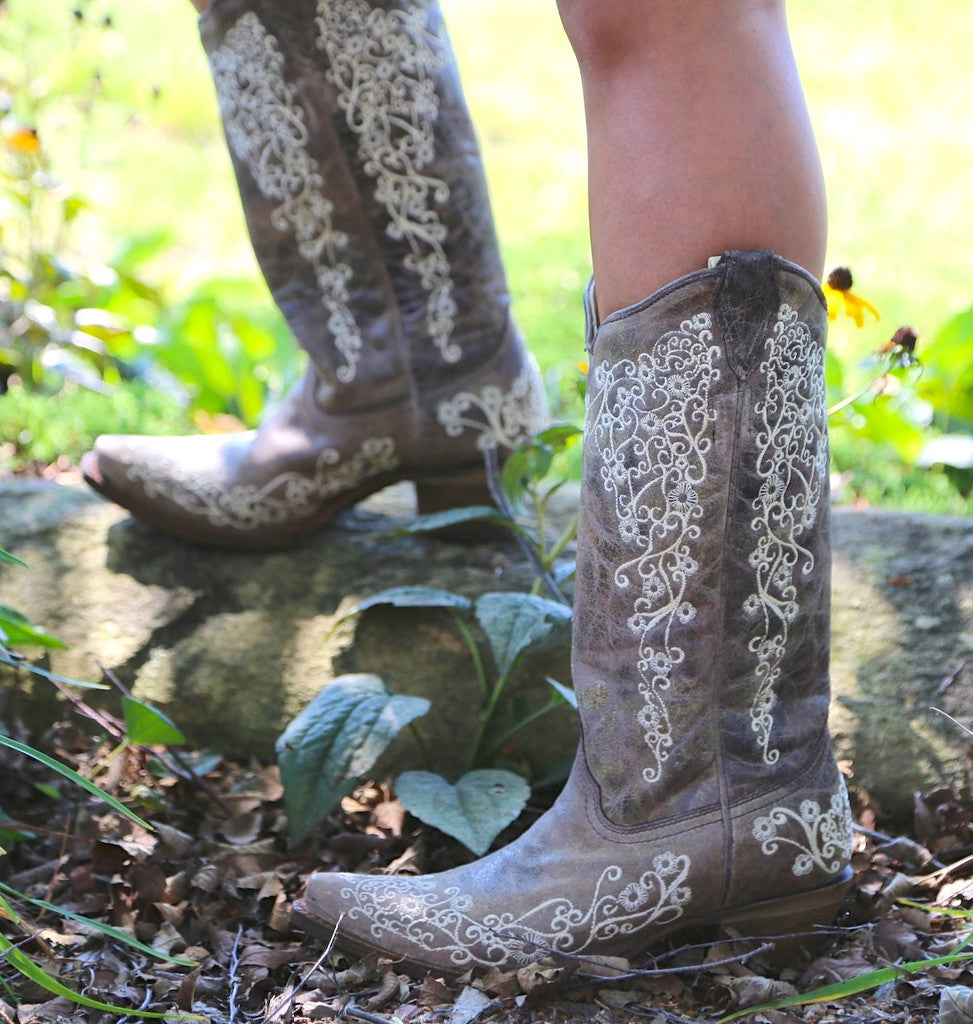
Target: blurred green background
point(136, 176)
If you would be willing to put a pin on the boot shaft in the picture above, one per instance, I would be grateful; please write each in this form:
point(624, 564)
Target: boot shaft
point(363, 189)
point(701, 624)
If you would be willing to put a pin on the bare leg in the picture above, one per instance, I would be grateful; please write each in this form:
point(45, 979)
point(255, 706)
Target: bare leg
point(200, 5)
point(698, 139)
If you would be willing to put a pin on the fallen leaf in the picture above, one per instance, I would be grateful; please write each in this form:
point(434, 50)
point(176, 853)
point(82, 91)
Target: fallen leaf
point(955, 1005)
point(468, 1006)
point(756, 989)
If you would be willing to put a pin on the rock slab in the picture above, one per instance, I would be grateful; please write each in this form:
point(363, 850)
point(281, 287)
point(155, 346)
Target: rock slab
point(233, 646)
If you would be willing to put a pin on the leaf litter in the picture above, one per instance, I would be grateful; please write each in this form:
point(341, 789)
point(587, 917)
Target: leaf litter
point(209, 890)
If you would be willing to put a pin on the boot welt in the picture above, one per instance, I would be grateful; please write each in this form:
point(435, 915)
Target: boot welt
point(789, 924)
point(435, 492)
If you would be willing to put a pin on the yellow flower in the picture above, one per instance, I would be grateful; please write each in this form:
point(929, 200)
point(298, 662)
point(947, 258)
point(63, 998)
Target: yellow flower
point(837, 290)
point(24, 140)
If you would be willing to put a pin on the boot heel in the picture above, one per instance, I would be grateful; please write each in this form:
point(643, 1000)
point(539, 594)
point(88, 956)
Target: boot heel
point(789, 922)
point(460, 489)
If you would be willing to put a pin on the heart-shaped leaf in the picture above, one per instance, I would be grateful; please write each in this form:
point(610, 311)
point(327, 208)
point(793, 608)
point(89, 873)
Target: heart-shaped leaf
point(146, 724)
point(513, 621)
point(474, 811)
point(336, 739)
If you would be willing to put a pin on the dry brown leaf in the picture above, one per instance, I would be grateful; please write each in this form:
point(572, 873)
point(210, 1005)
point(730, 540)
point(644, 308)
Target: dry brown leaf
point(955, 1005)
point(755, 989)
point(260, 955)
point(242, 829)
point(187, 991)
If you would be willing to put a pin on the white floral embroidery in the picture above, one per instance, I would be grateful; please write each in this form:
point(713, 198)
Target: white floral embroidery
point(650, 420)
point(503, 418)
point(792, 462)
point(825, 836)
point(384, 66)
point(265, 128)
point(286, 496)
point(441, 919)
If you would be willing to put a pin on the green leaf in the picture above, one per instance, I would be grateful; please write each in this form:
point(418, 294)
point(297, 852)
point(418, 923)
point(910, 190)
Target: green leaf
point(73, 776)
point(18, 629)
point(455, 517)
point(10, 559)
point(474, 811)
point(146, 725)
point(7, 659)
point(567, 694)
point(336, 739)
point(408, 597)
point(853, 986)
point(513, 621)
point(29, 969)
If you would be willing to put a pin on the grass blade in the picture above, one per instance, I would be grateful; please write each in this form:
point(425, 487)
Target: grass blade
point(73, 776)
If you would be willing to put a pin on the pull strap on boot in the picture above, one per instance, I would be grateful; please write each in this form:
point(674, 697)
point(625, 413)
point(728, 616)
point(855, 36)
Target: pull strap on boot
point(705, 790)
point(364, 195)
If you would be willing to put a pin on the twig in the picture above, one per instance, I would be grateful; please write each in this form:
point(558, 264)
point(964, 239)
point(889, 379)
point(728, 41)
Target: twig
point(951, 678)
point(503, 503)
point(234, 973)
point(317, 963)
point(959, 725)
point(145, 1003)
point(373, 1018)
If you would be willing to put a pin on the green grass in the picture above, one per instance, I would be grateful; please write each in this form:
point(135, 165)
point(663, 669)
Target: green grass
point(888, 84)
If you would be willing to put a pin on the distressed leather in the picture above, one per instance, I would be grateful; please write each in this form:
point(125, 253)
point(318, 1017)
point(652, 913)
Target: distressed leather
point(364, 195)
point(705, 790)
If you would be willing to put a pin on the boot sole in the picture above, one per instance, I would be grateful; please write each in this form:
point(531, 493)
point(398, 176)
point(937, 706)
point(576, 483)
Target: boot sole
point(787, 922)
point(435, 492)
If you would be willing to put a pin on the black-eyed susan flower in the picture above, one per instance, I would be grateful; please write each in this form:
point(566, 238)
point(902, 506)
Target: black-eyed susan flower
point(841, 299)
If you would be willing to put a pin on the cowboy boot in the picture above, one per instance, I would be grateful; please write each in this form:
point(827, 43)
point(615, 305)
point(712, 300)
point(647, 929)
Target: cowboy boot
point(366, 203)
point(705, 790)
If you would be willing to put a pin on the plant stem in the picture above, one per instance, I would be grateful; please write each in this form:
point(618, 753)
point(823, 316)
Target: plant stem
point(532, 717)
point(485, 716)
point(421, 744)
point(467, 634)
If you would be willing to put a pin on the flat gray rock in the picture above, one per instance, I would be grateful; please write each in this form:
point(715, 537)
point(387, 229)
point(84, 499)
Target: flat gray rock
point(232, 646)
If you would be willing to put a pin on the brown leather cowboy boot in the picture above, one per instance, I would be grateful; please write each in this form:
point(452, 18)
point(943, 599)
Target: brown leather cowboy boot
point(705, 790)
point(365, 199)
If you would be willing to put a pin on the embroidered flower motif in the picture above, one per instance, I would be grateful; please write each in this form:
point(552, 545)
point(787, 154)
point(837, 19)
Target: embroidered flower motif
point(443, 919)
point(650, 420)
point(503, 418)
point(266, 130)
point(792, 462)
point(824, 837)
point(384, 64)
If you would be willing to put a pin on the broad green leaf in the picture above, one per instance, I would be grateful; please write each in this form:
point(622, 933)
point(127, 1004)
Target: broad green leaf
point(456, 517)
point(106, 929)
point(146, 725)
point(73, 776)
point(335, 740)
point(18, 629)
point(474, 811)
point(513, 621)
point(29, 969)
point(407, 597)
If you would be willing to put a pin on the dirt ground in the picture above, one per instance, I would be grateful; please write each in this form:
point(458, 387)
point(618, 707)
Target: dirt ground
point(214, 880)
